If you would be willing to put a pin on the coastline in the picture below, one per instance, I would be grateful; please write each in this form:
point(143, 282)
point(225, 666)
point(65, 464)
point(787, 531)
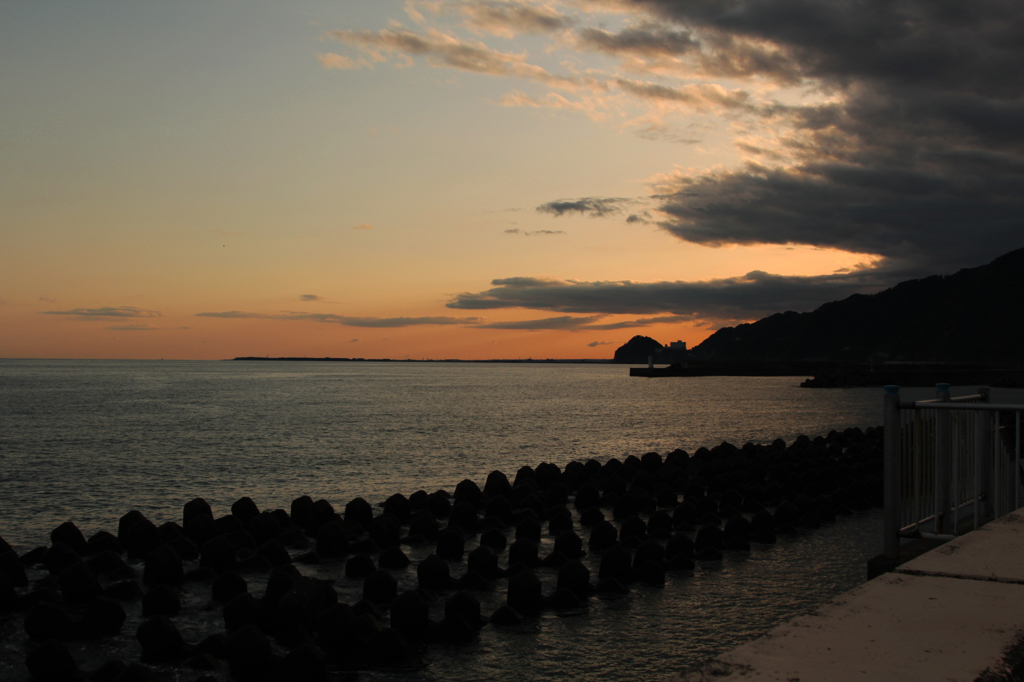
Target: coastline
point(839, 375)
point(822, 374)
point(578, 361)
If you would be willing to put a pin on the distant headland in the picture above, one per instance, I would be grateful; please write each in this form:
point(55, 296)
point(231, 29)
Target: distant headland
point(964, 328)
point(972, 317)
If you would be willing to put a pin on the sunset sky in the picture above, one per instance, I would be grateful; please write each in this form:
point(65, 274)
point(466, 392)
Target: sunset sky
point(457, 179)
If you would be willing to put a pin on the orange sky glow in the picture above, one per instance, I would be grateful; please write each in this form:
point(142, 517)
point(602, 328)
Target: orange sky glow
point(421, 180)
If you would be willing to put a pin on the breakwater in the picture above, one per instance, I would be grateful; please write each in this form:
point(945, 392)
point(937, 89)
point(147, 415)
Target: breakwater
point(848, 375)
point(426, 564)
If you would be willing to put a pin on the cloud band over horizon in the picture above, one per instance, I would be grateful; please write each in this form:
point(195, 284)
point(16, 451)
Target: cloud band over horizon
point(104, 313)
point(751, 296)
point(370, 322)
point(910, 148)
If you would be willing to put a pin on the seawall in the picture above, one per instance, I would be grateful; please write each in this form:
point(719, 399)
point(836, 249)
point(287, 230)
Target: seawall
point(841, 375)
point(954, 613)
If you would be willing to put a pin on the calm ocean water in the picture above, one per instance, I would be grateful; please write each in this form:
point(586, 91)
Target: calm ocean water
point(88, 440)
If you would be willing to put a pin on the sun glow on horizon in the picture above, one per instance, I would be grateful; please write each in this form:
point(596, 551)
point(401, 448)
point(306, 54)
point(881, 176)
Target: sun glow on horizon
point(459, 179)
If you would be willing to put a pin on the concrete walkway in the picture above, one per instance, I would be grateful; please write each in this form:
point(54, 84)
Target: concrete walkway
point(955, 613)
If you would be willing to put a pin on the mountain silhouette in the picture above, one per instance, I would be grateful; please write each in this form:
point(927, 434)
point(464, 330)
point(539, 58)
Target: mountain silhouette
point(638, 349)
point(973, 316)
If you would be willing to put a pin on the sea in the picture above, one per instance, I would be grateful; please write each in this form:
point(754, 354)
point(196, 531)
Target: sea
point(87, 441)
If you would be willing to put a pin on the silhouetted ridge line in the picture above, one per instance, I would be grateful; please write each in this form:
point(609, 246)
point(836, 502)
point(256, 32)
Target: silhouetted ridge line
point(973, 316)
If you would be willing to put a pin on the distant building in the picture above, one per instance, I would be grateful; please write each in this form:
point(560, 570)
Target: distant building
point(674, 353)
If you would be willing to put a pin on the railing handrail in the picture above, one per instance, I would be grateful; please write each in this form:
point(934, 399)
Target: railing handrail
point(937, 452)
point(958, 399)
point(973, 407)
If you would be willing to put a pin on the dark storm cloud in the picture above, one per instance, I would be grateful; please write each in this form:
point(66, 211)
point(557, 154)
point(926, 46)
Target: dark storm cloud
point(372, 322)
point(930, 221)
point(918, 157)
point(739, 298)
point(595, 207)
point(943, 44)
point(104, 313)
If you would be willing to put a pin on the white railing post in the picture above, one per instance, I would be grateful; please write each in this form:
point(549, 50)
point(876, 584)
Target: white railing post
point(892, 456)
point(1016, 463)
point(1001, 508)
point(979, 457)
point(983, 450)
point(943, 463)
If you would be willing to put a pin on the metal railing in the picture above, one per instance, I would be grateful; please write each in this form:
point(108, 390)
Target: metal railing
point(951, 464)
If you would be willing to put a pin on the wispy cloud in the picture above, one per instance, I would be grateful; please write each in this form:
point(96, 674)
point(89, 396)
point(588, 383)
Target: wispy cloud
point(595, 207)
point(311, 297)
point(593, 107)
point(698, 96)
point(646, 40)
point(375, 322)
point(508, 19)
point(532, 233)
point(657, 131)
point(565, 323)
point(330, 60)
point(444, 50)
point(644, 218)
point(505, 18)
point(134, 328)
point(104, 313)
point(644, 322)
point(695, 48)
point(590, 323)
point(595, 344)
